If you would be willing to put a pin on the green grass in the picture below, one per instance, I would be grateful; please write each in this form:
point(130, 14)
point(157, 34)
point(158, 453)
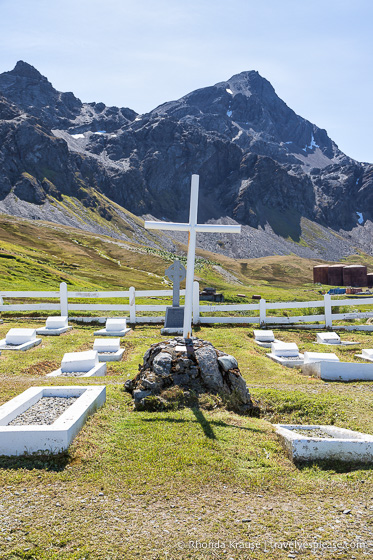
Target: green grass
point(135, 484)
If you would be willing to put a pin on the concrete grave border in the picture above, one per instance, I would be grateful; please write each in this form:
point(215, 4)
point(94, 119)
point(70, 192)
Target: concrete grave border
point(285, 361)
point(339, 371)
point(344, 445)
point(53, 332)
point(19, 347)
point(56, 437)
point(97, 371)
point(104, 332)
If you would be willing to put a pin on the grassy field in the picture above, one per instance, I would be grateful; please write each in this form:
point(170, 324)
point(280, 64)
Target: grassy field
point(168, 485)
point(198, 483)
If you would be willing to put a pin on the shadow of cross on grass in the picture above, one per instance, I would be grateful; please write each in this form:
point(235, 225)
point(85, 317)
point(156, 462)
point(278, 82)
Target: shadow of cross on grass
point(205, 424)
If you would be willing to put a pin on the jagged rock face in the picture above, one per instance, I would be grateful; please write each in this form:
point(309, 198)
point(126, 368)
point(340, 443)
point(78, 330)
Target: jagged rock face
point(194, 366)
point(259, 163)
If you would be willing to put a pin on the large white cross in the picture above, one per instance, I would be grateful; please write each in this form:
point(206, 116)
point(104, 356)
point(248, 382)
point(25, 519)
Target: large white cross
point(192, 228)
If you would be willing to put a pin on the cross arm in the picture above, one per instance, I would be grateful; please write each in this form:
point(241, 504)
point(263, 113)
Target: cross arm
point(217, 228)
point(167, 226)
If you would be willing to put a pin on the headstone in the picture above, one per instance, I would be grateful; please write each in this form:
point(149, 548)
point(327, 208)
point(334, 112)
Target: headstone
point(55, 326)
point(56, 322)
point(285, 349)
point(286, 353)
point(108, 349)
point(328, 338)
point(114, 327)
point(192, 227)
point(79, 361)
point(80, 364)
point(310, 357)
point(19, 339)
point(264, 336)
point(175, 315)
point(20, 336)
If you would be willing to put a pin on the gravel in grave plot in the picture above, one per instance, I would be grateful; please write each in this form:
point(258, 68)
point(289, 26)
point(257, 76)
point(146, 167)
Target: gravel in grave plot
point(72, 373)
point(313, 432)
point(45, 411)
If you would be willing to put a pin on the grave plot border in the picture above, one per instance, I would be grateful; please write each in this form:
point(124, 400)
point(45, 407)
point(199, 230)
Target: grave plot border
point(339, 371)
point(285, 361)
point(104, 332)
point(53, 438)
point(19, 347)
point(97, 371)
point(110, 356)
point(344, 445)
point(52, 332)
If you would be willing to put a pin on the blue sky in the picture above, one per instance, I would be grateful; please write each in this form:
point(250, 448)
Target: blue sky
point(317, 54)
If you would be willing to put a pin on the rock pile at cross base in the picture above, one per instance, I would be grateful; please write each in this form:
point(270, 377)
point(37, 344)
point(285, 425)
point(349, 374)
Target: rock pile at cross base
point(193, 366)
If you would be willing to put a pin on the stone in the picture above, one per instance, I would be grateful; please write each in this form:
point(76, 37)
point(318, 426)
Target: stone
point(310, 357)
point(228, 362)
point(162, 364)
point(208, 364)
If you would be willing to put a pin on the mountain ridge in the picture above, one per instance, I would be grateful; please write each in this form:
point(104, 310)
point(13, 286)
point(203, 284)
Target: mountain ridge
point(257, 159)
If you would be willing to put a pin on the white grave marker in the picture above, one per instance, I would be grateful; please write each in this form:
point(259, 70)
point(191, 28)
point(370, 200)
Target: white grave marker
point(192, 227)
point(285, 353)
point(108, 349)
point(19, 339)
point(310, 357)
point(55, 326)
point(332, 338)
point(80, 364)
point(114, 327)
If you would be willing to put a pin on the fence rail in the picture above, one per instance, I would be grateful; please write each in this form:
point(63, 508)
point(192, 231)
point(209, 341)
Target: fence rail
point(256, 313)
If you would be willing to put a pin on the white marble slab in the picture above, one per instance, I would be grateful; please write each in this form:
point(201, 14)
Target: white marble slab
point(310, 357)
point(339, 371)
point(342, 445)
point(56, 437)
point(108, 349)
point(264, 336)
point(284, 349)
point(79, 361)
point(54, 326)
point(19, 339)
point(328, 338)
point(114, 327)
point(287, 361)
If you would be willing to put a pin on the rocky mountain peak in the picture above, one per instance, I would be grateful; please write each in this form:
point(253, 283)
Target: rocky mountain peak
point(25, 70)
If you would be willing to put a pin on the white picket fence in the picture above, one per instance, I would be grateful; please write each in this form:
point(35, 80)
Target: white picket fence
point(256, 313)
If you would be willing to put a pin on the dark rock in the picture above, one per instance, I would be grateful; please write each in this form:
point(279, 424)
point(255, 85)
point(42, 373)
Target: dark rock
point(209, 368)
point(227, 362)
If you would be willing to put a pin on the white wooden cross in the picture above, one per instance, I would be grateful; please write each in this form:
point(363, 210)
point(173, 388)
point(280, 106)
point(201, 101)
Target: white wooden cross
point(192, 228)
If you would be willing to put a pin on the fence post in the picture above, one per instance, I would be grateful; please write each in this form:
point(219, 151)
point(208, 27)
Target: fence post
point(262, 312)
point(328, 311)
point(64, 300)
point(196, 320)
point(132, 305)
